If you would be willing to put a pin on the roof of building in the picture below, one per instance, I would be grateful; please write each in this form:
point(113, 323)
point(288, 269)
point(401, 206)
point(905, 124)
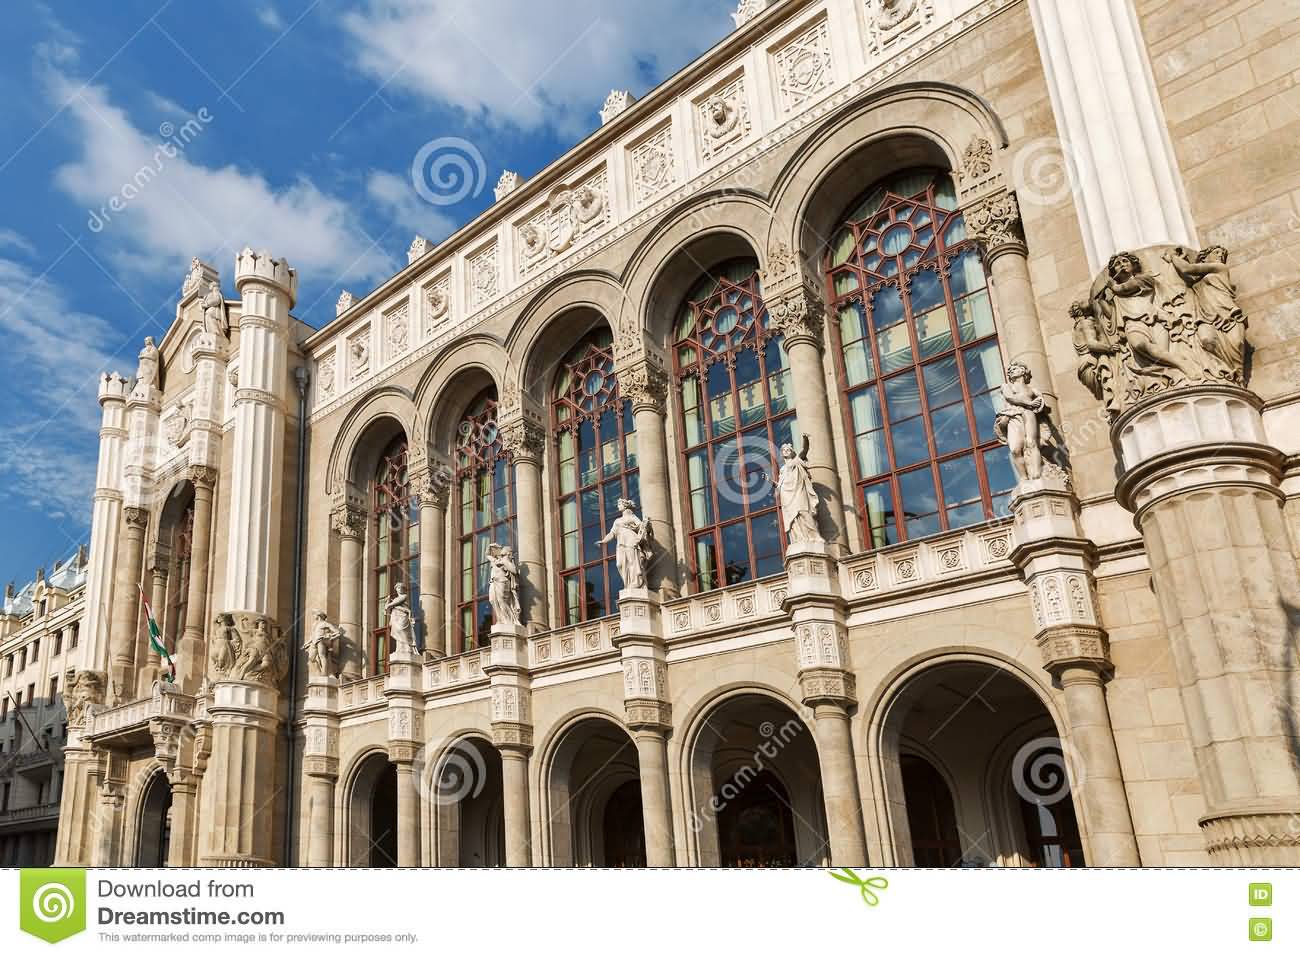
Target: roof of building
point(67, 575)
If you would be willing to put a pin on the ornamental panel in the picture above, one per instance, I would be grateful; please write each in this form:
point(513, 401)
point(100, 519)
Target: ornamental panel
point(570, 217)
point(803, 67)
point(653, 164)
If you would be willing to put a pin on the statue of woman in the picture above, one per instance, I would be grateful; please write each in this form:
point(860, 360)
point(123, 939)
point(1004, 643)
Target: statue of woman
point(1141, 314)
point(146, 373)
point(503, 585)
point(226, 645)
point(1220, 321)
point(399, 621)
point(798, 497)
point(1019, 422)
point(214, 312)
point(632, 536)
point(323, 647)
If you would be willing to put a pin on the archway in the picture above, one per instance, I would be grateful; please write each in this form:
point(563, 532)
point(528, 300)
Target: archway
point(372, 814)
point(153, 844)
point(974, 772)
point(756, 795)
point(467, 798)
point(594, 792)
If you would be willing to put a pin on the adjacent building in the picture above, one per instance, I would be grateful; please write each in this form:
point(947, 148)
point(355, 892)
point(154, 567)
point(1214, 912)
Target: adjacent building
point(876, 444)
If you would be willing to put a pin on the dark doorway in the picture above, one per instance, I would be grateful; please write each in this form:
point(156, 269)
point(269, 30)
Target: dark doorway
point(756, 828)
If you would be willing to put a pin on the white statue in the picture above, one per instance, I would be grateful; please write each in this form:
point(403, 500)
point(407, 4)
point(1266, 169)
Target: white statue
point(146, 373)
point(1024, 426)
point(633, 536)
point(399, 621)
point(323, 647)
point(798, 497)
point(214, 312)
point(503, 585)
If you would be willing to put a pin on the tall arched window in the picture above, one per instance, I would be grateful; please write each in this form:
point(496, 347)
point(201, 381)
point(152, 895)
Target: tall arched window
point(918, 360)
point(178, 584)
point(737, 410)
point(486, 515)
point(595, 441)
point(396, 517)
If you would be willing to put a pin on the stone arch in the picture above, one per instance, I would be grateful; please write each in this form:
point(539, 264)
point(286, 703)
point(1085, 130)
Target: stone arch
point(365, 432)
point(560, 315)
point(723, 756)
point(462, 370)
point(882, 132)
point(711, 228)
point(587, 756)
point(149, 803)
point(365, 784)
point(1025, 708)
point(464, 803)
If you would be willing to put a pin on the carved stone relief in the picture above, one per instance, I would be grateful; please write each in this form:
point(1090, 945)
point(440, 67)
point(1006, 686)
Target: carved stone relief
point(723, 120)
point(803, 67)
point(569, 217)
point(889, 21)
point(484, 277)
point(654, 165)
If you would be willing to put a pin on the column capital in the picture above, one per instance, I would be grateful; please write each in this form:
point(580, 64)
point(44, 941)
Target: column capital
point(513, 737)
point(525, 441)
point(648, 716)
point(799, 314)
point(136, 518)
point(645, 385)
point(1067, 647)
point(828, 686)
point(349, 521)
point(433, 486)
point(202, 477)
point(994, 222)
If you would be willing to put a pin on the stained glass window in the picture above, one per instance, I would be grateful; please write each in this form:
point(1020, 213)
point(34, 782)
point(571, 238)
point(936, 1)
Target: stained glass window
point(918, 360)
point(396, 516)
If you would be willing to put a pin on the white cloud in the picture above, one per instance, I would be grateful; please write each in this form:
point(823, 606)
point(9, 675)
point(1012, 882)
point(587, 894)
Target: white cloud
point(519, 62)
point(12, 239)
point(270, 18)
point(398, 199)
point(161, 209)
point(50, 367)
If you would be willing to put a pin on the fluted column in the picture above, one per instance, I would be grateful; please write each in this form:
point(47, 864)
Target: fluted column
point(101, 566)
point(126, 606)
point(994, 222)
point(1125, 178)
point(433, 490)
point(645, 385)
point(350, 524)
point(795, 308)
point(525, 440)
point(1057, 563)
point(190, 664)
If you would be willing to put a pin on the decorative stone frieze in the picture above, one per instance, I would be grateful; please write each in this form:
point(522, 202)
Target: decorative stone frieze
point(572, 215)
point(437, 303)
point(803, 67)
point(653, 165)
point(484, 277)
point(723, 118)
point(889, 22)
point(397, 330)
point(247, 647)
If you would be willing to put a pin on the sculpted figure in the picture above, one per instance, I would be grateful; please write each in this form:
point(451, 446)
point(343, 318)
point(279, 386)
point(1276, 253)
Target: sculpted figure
point(226, 645)
point(214, 312)
point(146, 373)
point(503, 585)
point(257, 660)
point(1023, 424)
point(399, 621)
point(1099, 357)
point(1141, 311)
point(798, 497)
point(632, 537)
point(1220, 321)
point(323, 647)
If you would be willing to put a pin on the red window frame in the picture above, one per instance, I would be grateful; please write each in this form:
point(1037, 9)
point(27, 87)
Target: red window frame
point(395, 555)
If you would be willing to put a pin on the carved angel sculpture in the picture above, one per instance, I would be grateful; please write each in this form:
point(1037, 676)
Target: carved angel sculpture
point(633, 539)
point(503, 585)
point(798, 497)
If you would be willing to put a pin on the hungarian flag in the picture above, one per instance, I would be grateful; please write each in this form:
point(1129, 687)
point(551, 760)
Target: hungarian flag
point(155, 638)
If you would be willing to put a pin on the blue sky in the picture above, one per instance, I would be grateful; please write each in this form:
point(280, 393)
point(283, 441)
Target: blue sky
point(308, 116)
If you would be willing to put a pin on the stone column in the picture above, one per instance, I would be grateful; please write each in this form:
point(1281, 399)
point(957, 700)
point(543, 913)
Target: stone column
point(403, 689)
point(1057, 563)
point(126, 606)
point(827, 686)
point(183, 846)
point(78, 804)
point(994, 221)
point(434, 494)
point(190, 665)
point(320, 767)
point(150, 661)
point(525, 440)
point(649, 714)
point(1124, 175)
point(796, 309)
point(101, 566)
point(645, 384)
point(112, 802)
point(512, 733)
point(1203, 483)
point(350, 524)
point(238, 819)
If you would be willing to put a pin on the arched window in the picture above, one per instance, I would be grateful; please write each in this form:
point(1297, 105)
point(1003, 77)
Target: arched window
point(486, 515)
point(178, 582)
point(396, 517)
point(918, 361)
point(595, 442)
point(737, 411)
